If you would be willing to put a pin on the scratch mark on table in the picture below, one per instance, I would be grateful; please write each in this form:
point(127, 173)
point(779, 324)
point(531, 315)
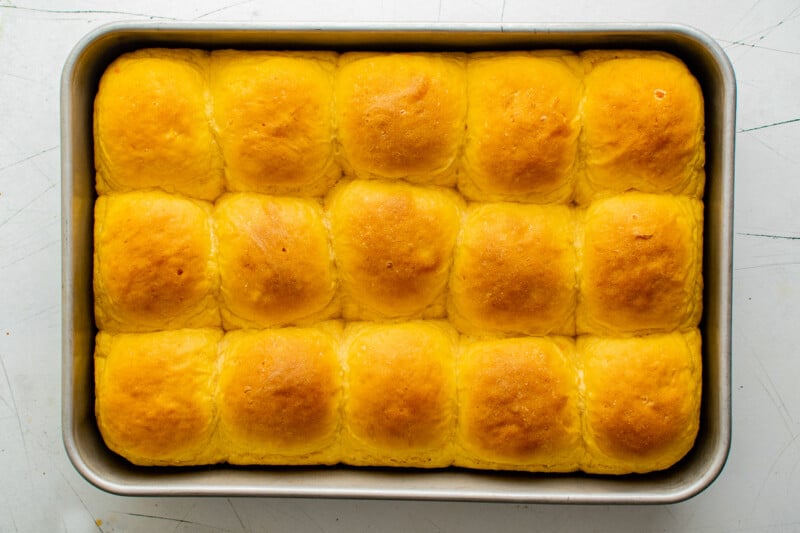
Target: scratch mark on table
point(50, 309)
point(436, 526)
point(747, 13)
point(319, 527)
point(23, 78)
point(24, 207)
point(774, 394)
point(13, 520)
point(773, 124)
point(503, 12)
point(769, 236)
point(759, 46)
point(178, 521)
point(16, 413)
point(85, 12)
point(772, 149)
point(673, 516)
point(29, 253)
point(794, 467)
point(236, 513)
point(771, 467)
point(764, 32)
point(28, 158)
point(769, 265)
point(77, 494)
point(224, 8)
point(185, 516)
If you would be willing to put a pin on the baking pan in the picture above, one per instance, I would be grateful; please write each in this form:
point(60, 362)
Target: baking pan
point(109, 472)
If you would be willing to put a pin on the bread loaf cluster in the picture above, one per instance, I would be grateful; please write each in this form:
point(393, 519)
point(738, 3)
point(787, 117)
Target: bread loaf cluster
point(488, 260)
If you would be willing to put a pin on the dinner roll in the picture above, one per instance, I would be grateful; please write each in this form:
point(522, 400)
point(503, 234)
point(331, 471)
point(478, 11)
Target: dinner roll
point(275, 261)
point(522, 126)
point(155, 395)
point(514, 270)
point(643, 125)
point(152, 127)
point(393, 243)
point(483, 259)
point(399, 394)
point(642, 401)
point(273, 116)
point(279, 395)
point(641, 265)
point(518, 405)
point(401, 115)
point(154, 263)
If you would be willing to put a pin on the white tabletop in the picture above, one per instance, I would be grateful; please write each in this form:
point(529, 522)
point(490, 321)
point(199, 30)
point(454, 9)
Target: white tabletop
point(41, 491)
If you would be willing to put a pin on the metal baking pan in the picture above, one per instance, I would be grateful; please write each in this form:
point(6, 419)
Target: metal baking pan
point(107, 471)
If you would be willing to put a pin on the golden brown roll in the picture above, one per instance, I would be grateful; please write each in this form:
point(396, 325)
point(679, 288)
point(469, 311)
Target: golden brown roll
point(514, 270)
point(518, 405)
point(154, 263)
point(642, 401)
point(401, 115)
point(155, 395)
point(393, 244)
point(312, 313)
point(273, 113)
point(279, 395)
point(399, 394)
point(275, 261)
point(643, 125)
point(641, 265)
point(151, 126)
point(522, 126)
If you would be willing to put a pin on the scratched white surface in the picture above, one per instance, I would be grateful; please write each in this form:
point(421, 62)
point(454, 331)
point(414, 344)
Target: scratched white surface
point(760, 486)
